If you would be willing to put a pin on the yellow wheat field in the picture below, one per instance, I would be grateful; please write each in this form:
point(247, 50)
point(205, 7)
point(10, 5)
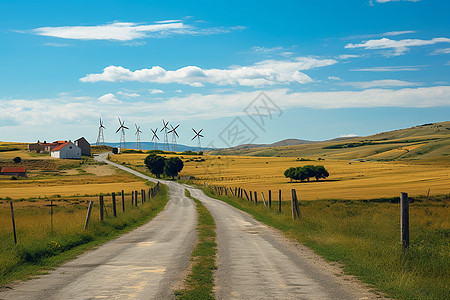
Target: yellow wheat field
point(348, 179)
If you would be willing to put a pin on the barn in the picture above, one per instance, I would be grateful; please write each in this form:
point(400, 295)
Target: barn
point(68, 150)
point(84, 146)
point(14, 171)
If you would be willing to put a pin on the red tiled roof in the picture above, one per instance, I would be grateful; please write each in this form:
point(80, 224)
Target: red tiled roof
point(14, 170)
point(59, 147)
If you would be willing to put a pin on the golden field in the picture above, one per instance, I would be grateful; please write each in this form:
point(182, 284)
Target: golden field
point(347, 180)
point(48, 177)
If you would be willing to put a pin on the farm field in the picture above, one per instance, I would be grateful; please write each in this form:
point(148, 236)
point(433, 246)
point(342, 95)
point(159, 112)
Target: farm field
point(347, 180)
point(48, 177)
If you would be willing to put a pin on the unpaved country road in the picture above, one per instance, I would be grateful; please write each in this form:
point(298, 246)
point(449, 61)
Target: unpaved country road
point(143, 264)
point(254, 261)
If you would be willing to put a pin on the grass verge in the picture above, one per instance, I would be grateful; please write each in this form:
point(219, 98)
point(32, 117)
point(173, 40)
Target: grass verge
point(38, 251)
point(200, 281)
point(364, 237)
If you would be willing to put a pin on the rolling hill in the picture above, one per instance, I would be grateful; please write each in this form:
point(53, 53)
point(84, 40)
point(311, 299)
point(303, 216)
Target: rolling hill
point(427, 141)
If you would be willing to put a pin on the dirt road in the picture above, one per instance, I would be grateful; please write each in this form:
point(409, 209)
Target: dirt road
point(254, 261)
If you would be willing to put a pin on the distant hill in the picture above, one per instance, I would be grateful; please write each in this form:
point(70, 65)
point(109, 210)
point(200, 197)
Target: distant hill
point(287, 142)
point(426, 141)
point(151, 146)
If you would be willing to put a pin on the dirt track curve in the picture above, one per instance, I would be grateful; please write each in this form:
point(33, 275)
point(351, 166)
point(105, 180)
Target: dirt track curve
point(254, 261)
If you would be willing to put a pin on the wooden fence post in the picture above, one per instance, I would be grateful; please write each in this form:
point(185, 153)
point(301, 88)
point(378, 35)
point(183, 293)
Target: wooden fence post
point(142, 196)
point(279, 200)
point(256, 198)
point(404, 222)
point(270, 199)
point(264, 200)
point(295, 208)
point(123, 201)
point(113, 196)
point(88, 215)
point(246, 195)
point(13, 222)
point(251, 196)
point(135, 198)
point(132, 198)
point(100, 198)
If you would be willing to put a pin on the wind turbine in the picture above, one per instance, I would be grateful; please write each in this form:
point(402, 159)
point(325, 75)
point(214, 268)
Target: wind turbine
point(198, 135)
point(166, 139)
point(155, 138)
point(123, 144)
point(100, 138)
point(138, 137)
point(174, 133)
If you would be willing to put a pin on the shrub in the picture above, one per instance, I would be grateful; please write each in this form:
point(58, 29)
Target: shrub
point(17, 159)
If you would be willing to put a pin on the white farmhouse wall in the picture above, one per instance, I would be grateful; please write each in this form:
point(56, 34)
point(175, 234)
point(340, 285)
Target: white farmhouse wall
point(69, 151)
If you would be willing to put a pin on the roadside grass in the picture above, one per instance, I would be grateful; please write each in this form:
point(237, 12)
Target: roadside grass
point(39, 249)
point(364, 237)
point(199, 283)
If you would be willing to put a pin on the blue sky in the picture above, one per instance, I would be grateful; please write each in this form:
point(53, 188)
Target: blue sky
point(267, 70)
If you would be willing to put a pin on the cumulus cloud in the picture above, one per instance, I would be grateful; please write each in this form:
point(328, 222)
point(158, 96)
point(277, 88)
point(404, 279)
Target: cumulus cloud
point(267, 72)
point(380, 83)
point(156, 91)
point(398, 47)
point(108, 98)
point(127, 31)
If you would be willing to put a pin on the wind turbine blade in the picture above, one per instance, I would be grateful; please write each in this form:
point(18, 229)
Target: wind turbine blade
point(200, 135)
point(118, 129)
point(193, 137)
point(200, 131)
point(125, 127)
point(176, 134)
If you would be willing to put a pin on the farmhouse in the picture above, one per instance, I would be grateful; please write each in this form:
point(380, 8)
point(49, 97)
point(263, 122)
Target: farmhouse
point(67, 150)
point(84, 146)
point(40, 147)
point(14, 171)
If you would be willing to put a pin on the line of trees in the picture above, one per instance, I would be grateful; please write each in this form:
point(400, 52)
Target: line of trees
point(160, 165)
point(306, 172)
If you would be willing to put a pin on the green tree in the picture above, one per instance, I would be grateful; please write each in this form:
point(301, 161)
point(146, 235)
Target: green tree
point(17, 159)
point(289, 173)
point(155, 164)
point(320, 172)
point(310, 171)
point(173, 166)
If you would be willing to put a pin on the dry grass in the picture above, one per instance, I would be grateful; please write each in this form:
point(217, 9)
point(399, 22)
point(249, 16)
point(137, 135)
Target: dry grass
point(348, 179)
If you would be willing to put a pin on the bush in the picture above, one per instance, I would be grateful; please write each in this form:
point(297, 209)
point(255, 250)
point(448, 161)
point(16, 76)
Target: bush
point(17, 159)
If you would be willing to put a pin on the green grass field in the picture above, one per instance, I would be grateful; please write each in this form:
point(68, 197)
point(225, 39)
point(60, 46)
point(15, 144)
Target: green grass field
point(364, 237)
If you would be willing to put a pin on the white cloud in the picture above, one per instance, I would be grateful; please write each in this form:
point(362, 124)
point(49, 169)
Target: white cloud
point(267, 72)
point(399, 47)
point(345, 56)
point(156, 91)
point(128, 95)
point(389, 69)
point(441, 51)
point(108, 98)
point(334, 78)
point(266, 50)
point(380, 83)
point(348, 135)
point(127, 31)
point(393, 33)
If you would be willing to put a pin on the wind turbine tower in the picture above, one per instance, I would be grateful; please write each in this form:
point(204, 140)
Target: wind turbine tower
point(175, 135)
point(155, 138)
point(138, 137)
point(198, 135)
point(123, 144)
point(101, 137)
point(166, 139)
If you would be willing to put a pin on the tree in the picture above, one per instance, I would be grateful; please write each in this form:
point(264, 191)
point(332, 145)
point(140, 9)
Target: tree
point(310, 171)
point(155, 164)
point(289, 173)
point(173, 166)
point(115, 150)
point(17, 159)
point(320, 172)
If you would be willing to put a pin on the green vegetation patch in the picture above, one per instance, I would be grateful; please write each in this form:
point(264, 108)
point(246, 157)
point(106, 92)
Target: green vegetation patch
point(364, 237)
point(200, 281)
